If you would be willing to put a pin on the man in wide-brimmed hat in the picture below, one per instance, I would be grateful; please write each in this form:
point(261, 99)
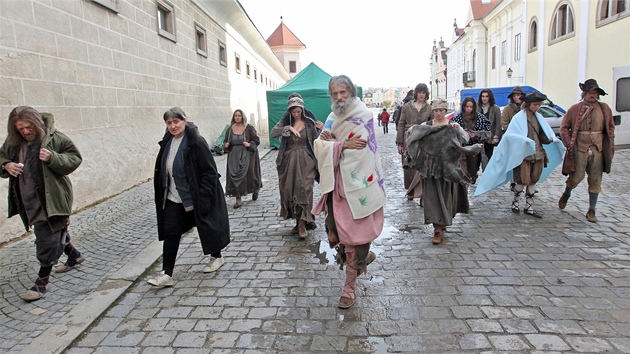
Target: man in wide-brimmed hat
point(528, 153)
point(515, 99)
point(588, 132)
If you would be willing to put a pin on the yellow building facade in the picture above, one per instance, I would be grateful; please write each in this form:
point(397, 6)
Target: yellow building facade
point(549, 45)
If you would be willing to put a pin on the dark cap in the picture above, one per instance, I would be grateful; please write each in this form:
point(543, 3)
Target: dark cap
point(590, 85)
point(535, 96)
point(518, 90)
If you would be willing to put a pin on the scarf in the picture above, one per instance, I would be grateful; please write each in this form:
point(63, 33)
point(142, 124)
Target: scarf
point(361, 172)
point(513, 148)
point(435, 151)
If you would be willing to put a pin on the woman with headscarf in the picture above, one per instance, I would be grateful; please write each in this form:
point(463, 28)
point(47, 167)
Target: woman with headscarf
point(297, 165)
point(243, 161)
point(413, 113)
point(188, 194)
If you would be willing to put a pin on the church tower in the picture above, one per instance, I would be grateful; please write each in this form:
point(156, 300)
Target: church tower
point(286, 46)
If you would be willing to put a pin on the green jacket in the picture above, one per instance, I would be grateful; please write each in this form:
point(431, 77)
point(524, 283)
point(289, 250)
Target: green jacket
point(56, 195)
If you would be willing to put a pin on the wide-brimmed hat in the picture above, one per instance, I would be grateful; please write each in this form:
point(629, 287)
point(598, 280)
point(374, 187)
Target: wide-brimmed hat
point(295, 102)
point(535, 96)
point(590, 85)
point(516, 90)
point(439, 103)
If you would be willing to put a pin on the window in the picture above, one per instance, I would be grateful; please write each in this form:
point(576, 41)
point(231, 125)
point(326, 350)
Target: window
point(247, 69)
point(166, 20)
point(562, 23)
point(262, 81)
point(494, 57)
point(533, 35)
point(292, 66)
point(202, 43)
point(255, 75)
point(222, 54)
point(237, 63)
point(474, 60)
point(109, 4)
point(622, 103)
point(503, 52)
point(517, 47)
point(611, 10)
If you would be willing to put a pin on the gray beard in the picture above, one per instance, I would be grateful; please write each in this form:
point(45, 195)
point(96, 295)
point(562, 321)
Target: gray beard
point(340, 110)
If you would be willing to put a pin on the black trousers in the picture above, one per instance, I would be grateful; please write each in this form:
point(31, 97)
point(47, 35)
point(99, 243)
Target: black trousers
point(49, 245)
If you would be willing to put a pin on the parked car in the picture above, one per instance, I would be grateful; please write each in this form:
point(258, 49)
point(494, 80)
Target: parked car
point(552, 115)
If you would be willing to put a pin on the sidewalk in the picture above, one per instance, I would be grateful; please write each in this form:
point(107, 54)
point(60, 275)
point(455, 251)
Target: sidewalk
point(119, 239)
point(499, 282)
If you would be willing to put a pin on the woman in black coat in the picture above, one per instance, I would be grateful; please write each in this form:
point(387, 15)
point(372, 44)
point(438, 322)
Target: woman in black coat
point(188, 193)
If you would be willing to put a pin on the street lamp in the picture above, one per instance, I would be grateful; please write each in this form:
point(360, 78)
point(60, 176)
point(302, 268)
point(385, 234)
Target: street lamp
point(509, 73)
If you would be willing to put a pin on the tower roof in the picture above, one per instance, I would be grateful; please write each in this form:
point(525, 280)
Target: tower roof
point(283, 36)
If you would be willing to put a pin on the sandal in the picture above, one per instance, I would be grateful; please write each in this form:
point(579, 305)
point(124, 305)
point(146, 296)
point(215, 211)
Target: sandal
point(532, 212)
point(529, 206)
point(345, 302)
point(515, 202)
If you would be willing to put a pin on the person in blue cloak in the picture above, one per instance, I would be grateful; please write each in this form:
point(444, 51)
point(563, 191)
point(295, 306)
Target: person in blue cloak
point(528, 152)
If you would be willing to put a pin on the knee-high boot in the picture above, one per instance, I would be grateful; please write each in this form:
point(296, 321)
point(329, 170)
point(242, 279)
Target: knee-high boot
point(350, 285)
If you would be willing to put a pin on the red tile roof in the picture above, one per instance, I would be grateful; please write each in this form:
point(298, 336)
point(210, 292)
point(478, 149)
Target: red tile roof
point(480, 8)
point(283, 36)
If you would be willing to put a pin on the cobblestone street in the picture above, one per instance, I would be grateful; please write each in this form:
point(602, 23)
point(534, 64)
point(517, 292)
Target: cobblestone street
point(499, 282)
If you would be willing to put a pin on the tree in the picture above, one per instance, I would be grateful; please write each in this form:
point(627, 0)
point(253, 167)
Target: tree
point(387, 103)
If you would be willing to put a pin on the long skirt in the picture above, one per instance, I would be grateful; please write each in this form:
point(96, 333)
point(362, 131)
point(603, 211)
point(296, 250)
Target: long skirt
point(296, 177)
point(243, 169)
point(443, 200)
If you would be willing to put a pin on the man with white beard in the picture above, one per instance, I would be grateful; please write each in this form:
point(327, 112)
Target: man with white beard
point(351, 178)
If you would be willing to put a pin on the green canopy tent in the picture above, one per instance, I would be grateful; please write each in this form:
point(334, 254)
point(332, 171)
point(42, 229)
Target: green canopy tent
point(312, 84)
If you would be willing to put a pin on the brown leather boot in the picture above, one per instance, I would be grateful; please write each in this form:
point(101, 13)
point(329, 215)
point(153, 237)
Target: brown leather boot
point(437, 236)
point(302, 229)
point(590, 216)
point(371, 257)
point(348, 294)
point(562, 203)
point(333, 239)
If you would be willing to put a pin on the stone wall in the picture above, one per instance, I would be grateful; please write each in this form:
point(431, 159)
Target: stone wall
point(108, 76)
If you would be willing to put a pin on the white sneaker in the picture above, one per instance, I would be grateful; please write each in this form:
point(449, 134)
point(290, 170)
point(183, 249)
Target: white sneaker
point(214, 264)
point(161, 280)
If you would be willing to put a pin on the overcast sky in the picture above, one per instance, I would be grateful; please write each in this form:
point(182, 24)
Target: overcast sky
point(383, 43)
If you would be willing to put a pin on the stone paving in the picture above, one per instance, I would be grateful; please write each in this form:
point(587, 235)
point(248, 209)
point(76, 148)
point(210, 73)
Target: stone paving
point(498, 283)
